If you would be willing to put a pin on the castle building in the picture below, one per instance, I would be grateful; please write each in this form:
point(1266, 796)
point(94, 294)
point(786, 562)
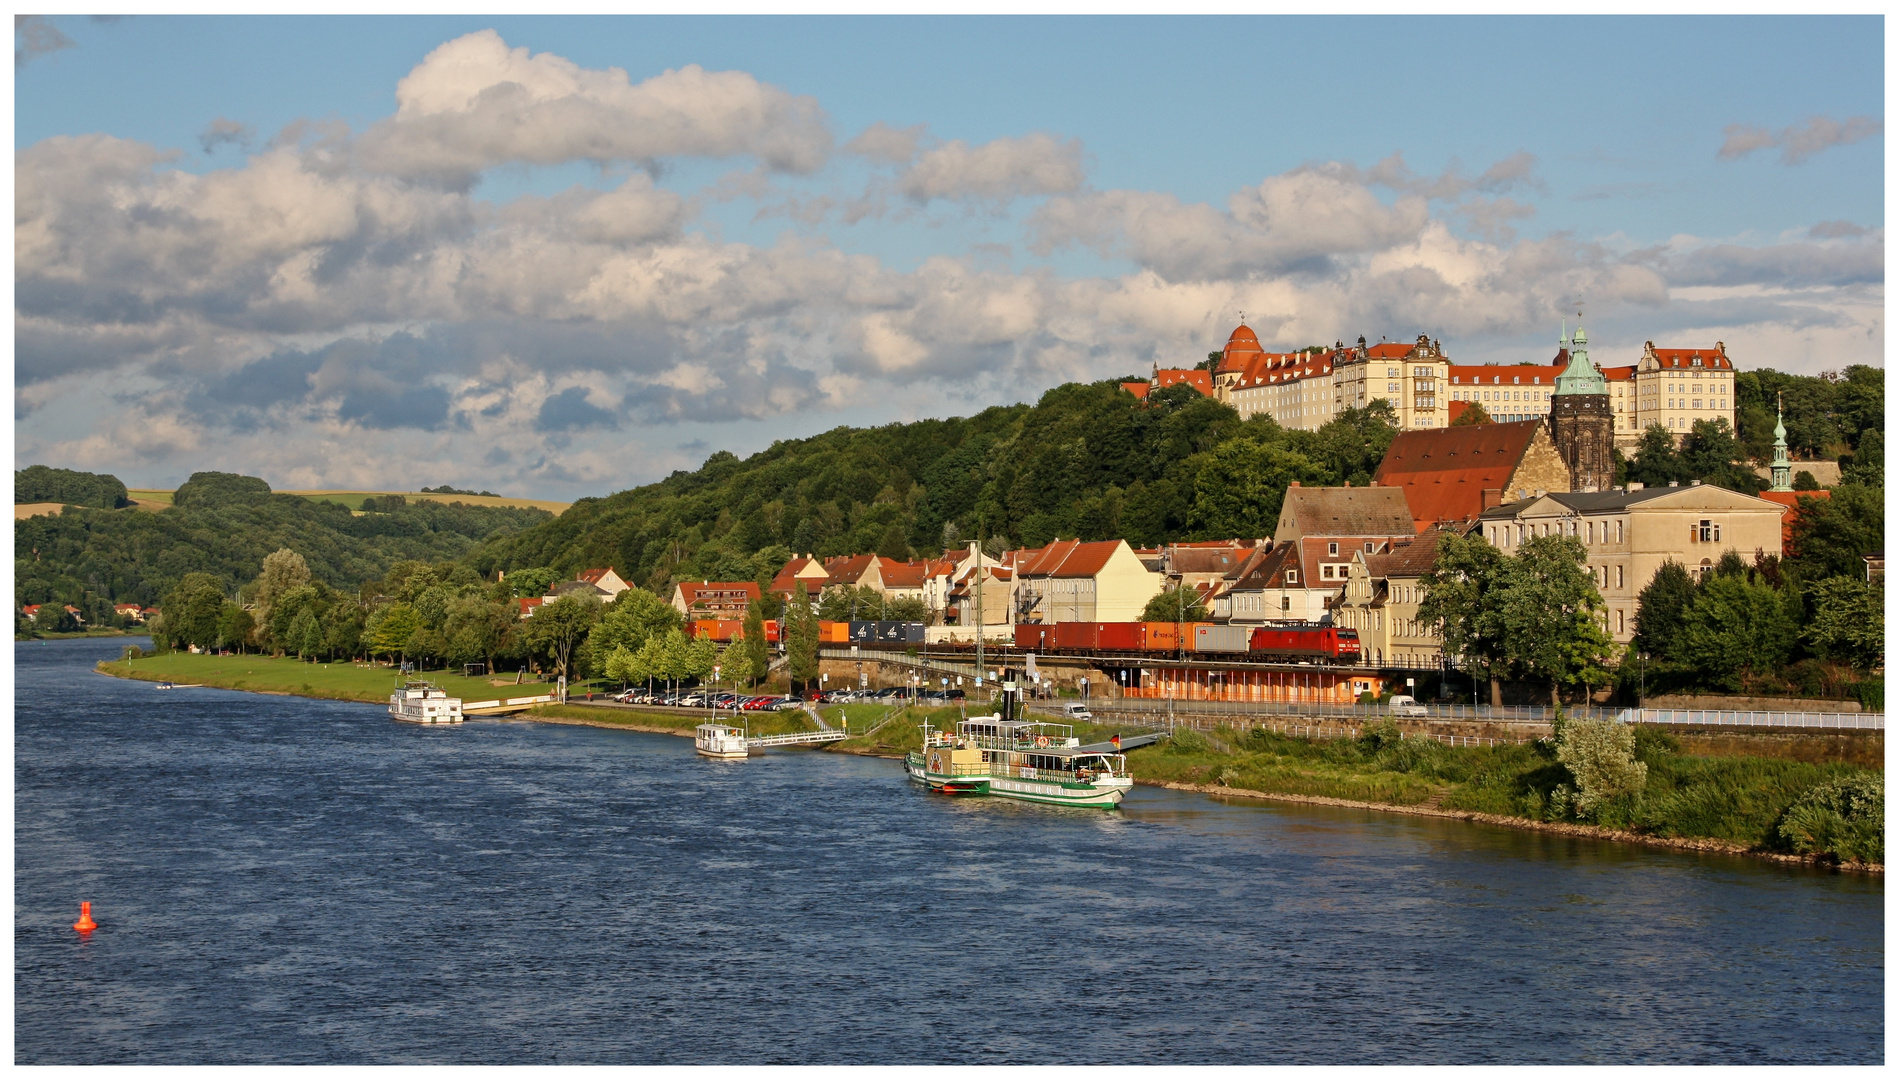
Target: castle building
point(1308, 388)
point(1582, 424)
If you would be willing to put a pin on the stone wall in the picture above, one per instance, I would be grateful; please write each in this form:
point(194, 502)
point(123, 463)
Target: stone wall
point(1731, 703)
point(1542, 468)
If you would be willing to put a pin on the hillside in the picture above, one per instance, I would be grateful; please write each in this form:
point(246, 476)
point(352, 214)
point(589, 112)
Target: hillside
point(1087, 460)
point(158, 499)
point(224, 525)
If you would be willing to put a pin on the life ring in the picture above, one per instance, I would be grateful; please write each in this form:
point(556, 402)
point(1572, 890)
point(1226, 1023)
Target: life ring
point(1041, 741)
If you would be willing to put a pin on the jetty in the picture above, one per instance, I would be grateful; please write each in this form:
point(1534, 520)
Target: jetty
point(505, 706)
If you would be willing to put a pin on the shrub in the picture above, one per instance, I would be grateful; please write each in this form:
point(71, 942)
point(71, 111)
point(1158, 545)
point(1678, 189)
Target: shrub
point(132, 652)
point(1844, 818)
point(1600, 755)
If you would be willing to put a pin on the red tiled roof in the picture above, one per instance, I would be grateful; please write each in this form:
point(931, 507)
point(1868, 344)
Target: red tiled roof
point(1138, 389)
point(1389, 350)
point(1406, 558)
point(1455, 409)
point(1716, 357)
point(592, 577)
point(848, 569)
point(1791, 500)
point(903, 575)
point(1067, 559)
point(1198, 379)
point(527, 604)
point(1444, 471)
point(1618, 374)
point(1241, 347)
point(1507, 374)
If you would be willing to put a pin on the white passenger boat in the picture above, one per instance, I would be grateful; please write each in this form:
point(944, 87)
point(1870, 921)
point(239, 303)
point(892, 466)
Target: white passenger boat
point(425, 703)
point(1019, 759)
point(720, 741)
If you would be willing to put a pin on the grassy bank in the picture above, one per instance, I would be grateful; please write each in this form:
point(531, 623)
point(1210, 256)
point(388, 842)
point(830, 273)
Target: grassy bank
point(345, 681)
point(1736, 800)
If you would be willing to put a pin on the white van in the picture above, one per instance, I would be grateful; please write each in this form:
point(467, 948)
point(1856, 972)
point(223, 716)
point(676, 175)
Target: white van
point(1406, 705)
point(1075, 710)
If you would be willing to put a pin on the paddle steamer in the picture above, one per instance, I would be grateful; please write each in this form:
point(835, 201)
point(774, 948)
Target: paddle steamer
point(424, 703)
point(1005, 756)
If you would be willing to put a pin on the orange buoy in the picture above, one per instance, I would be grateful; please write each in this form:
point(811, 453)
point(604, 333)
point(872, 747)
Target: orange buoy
point(85, 923)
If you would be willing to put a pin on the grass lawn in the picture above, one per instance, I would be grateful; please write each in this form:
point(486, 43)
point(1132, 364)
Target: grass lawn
point(346, 680)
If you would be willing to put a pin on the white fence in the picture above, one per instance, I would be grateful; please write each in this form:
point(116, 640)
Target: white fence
point(1845, 721)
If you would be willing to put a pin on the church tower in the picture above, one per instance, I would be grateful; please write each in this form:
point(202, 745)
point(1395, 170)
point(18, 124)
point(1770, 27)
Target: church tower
point(1581, 421)
point(1782, 467)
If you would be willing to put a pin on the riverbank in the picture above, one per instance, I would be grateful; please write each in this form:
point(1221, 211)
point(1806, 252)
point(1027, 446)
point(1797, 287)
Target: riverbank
point(1724, 802)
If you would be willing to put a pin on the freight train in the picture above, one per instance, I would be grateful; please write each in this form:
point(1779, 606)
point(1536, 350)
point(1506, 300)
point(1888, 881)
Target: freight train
point(1284, 642)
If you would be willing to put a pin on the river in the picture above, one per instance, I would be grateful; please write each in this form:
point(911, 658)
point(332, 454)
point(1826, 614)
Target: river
point(280, 880)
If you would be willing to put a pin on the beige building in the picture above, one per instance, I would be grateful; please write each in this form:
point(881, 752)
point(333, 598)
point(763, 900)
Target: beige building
point(1630, 534)
point(1670, 387)
point(1320, 532)
point(1380, 601)
point(1069, 581)
point(1306, 389)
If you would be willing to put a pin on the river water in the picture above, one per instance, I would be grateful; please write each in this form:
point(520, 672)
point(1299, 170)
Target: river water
point(291, 881)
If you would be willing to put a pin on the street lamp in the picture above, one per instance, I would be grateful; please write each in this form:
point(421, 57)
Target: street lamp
point(1641, 691)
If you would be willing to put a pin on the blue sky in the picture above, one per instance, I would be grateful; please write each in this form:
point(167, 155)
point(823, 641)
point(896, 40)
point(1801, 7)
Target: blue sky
point(1042, 199)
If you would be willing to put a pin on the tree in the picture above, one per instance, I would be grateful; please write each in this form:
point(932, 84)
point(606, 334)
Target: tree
point(627, 666)
point(477, 629)
point(53, 618)
point(1735, 627)
point(557, 628)
point(908, 609)
point(1828, 536)
point(1656, 463)
point(284, 613)
point(192, 610)
point(1804, 481)
point(1712, 455)
point(1661, 611)
point(633, 617)
point(207, 490)
point(424, 645)
point(800, 634)
point(1463, 599)
point(342, 630)
point(389, 629)
point(1549, 615)
point(735, 663)
point(702, 655)
point(283, 571)
point(843, 603)
point(532, 580)
point(1175, 605)
point(1866, 464)
point(1472, 415)
point(1848, 623)
point(305, 636)
point(235, 627)
point(758, 659)
point(1239, 489)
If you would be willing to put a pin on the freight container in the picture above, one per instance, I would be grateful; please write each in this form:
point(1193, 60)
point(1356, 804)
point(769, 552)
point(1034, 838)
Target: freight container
point(1120, 636)
point(833, 633)
point(886, 632)
point(1076, 636)
point(1223, 639)
point(1034, 637)
point(724, 630)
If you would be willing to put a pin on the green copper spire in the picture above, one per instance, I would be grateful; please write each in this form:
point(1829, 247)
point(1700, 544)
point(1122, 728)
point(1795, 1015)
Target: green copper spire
point(1580, 377)
point(1782, 467)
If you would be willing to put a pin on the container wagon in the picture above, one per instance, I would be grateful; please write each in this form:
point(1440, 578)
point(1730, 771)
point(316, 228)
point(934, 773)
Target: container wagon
point(886, 632)
point(1221, 639)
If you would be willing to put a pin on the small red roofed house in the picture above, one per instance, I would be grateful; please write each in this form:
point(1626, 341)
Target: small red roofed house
point(1072, 581)
point(30, 610)
point(526, 605)
point(129, 611)
point(1197, 378)
point(801, 568)
point(714, 599)
point(605, 580)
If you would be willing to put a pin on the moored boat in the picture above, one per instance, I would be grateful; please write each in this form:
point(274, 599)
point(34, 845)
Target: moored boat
point(424, 703)
point(720, 741)
point(1012, 758)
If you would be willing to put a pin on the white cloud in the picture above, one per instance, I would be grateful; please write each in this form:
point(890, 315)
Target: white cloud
point(474, 103)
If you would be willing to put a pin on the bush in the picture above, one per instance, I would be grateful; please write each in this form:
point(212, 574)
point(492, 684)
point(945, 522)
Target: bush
point(1600, 755)
point(1843, 818)
point(132, 652)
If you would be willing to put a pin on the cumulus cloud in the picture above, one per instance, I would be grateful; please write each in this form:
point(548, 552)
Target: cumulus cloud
point(881, 142)
point(998, 170)
point(1801, 141)
point(475, 103)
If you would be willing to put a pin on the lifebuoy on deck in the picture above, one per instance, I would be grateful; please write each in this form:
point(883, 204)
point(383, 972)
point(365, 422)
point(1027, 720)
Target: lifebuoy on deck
point(1041, 741)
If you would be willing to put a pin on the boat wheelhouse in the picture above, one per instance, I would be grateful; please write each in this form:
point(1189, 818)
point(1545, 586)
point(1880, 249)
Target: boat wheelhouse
point(720, 741)
point(424, 703)
point(1031, 760)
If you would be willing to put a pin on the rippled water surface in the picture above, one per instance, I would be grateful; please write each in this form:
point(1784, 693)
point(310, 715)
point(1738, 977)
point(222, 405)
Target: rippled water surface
point(280, 880)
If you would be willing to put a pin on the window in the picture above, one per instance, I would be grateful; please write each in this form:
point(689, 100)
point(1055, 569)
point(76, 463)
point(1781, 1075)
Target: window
point(1368, 547)
point(1285, 602)
point(1618, 618)
point(1292, 577)
point(1331, 549)
point(1618, 532)
point(1618, 583)
point(1592, 533)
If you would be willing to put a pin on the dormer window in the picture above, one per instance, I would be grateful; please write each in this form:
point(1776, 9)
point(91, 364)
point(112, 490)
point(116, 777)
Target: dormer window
point(1331, 549)
point(1292, 577)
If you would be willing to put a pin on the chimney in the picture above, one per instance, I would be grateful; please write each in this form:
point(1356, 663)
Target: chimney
point(1493, 498)
point(1295, 483)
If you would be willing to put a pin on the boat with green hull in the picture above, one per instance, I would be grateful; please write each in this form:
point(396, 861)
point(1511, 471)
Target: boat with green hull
point(1012, 758)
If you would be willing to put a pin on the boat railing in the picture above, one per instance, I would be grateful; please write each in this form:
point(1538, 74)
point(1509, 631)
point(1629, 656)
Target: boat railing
point(1019, 772)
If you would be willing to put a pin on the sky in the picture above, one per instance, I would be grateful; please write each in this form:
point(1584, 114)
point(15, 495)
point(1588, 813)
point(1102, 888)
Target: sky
point(561, 257)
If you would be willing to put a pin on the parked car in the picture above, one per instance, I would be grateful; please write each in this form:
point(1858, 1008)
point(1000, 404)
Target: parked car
point(786, 704)
point(1406, 705)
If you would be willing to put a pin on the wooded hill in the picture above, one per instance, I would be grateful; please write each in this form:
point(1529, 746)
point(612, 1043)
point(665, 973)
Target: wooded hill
point(1088, 460)
point(223, 524)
